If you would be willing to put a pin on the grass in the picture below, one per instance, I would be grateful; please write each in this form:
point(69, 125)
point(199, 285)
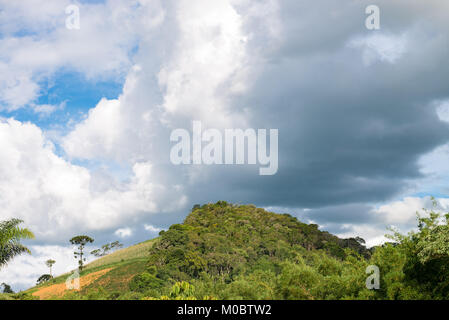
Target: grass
point(140, 250)
point(6, 296)
point(117, 279)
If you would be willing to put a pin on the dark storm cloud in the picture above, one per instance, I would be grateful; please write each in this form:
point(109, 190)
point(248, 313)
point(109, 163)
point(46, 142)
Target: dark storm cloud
point(349, 131)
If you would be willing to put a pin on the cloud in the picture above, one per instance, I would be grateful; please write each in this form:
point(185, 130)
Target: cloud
point(151, 228)
point(57, 198)
point(402, 212)
point(17, 87)
point(40, 45)
point(23, 272)
point(97, 134)
point(346, 134)
point(124, 232)
point(381, 47)
point(47, 109)
point(369, 221)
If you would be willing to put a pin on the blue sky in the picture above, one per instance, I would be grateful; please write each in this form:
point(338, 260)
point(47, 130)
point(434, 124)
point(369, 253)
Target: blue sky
point(76, 93)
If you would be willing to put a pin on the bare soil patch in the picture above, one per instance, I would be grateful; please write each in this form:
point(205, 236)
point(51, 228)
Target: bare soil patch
point(58, 290)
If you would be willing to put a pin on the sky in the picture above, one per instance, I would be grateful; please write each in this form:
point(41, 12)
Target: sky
point(86, 115)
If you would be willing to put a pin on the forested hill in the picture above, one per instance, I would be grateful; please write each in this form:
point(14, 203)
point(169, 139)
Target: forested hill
point(226, 251)
point(228, 229)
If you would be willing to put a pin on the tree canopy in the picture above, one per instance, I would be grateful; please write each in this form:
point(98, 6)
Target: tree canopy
point(81, 242)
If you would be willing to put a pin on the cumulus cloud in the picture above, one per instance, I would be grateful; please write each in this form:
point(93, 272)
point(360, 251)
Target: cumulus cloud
point(124, 232)
point(152, 229)
point(55, 197)
point(40, 44)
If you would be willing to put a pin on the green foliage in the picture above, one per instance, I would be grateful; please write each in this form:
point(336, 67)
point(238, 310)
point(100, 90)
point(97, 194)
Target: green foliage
point(144, 282)
point(6, 288)
point(225, 251)
point(182, 291)
point(81, 241)
point(107, 249)
point(44, 278)
point(426, 255)
point(243, 252)
point(10, 236)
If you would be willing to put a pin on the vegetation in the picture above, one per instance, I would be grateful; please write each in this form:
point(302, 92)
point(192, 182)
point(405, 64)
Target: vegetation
point(81, 241)
point(50, 264)
point(10, 236)
point(138, 252)
point(225, 251)
point(44, 278)
point(242, 252)
point(106, 249)
point(6, 288)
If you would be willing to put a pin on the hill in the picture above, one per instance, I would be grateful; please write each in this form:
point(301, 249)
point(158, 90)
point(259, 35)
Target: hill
point(226, 251)
point(217, 244)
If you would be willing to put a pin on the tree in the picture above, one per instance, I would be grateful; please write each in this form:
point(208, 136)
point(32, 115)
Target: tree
point(44, 278)
point(427, 253)
point(81, 241)
point(10, 236)
point(50, 263)
point(6, 288)
point(106, 249)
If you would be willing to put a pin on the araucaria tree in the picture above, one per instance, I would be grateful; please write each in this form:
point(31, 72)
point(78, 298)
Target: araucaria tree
point(50, 264)
point(81, 242)
point(106, 249)
point(10, 236)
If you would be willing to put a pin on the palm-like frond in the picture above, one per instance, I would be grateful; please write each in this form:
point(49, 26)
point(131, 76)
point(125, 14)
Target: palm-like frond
point(10, 236)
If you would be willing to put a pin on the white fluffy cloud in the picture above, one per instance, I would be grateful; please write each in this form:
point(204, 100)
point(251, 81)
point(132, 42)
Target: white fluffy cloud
point(400, 215)
point(402, 212)
point(152, 229)
point(209, 55)
point(206, 64)
point(124, 232)
point(40, 44)
point(56, 198)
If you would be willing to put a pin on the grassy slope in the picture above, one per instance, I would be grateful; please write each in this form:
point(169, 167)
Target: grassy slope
point(125, 264)
point(135, 252)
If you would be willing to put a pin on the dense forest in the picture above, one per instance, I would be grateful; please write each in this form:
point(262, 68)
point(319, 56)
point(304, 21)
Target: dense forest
point(225, 251)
